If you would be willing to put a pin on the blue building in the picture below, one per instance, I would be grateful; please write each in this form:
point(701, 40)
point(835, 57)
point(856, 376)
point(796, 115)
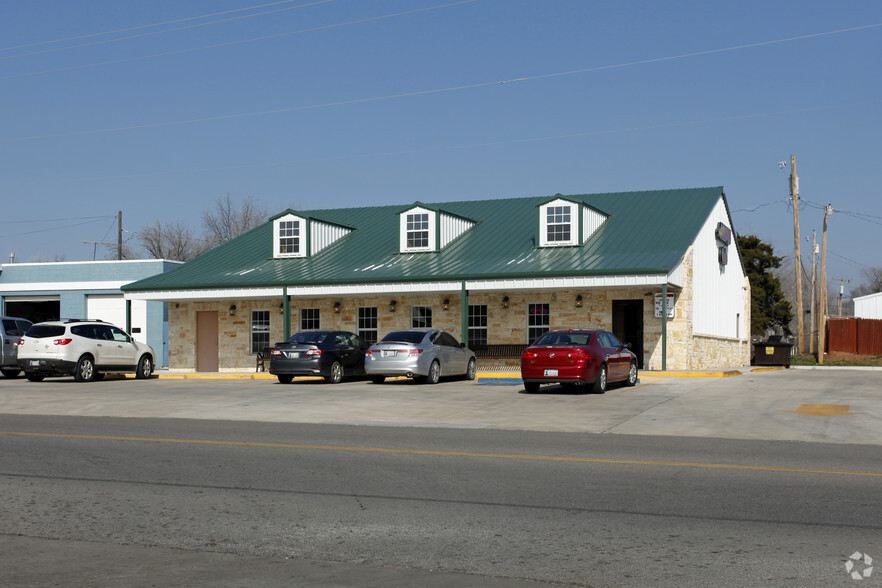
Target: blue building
point(88, 289)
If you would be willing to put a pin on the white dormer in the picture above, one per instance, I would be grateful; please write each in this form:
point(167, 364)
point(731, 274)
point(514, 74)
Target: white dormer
point(289, 236)
point(418, 230)
point(559, 223)
point(564, 222)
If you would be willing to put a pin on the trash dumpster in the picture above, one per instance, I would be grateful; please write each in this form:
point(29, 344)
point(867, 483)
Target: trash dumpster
point(772, 353)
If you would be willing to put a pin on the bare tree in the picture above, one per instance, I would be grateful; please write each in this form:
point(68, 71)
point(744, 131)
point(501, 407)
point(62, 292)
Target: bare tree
point(872, 282)
point(225, 221)
point(172, 240)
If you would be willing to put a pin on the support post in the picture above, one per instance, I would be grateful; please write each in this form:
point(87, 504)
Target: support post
point(822, 311)
point(129, 317)
point(286, 308)
point(664, 326)
point(800, 319)
point(464, 314)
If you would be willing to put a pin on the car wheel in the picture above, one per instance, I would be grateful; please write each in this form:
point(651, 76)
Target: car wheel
point(285, 378)
point(434, 373)
point(34, 377)
point(336, 373)
point(531, 387)
point(472, 370)
point(632, 375)
point(600, 383)
point(378, 379)
point(10, 373)
point(85, 370)
point(145, 368)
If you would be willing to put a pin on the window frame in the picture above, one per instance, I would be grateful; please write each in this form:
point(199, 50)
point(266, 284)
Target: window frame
point(367, 316)
point(478, 333)
point(405, 227)
point(534, 326)
point(307, 322)
point(551, 216)
point(421, 322)
point(261, 334)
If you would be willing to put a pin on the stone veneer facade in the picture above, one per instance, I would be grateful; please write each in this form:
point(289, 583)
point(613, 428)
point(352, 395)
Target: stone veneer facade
point(685, 349)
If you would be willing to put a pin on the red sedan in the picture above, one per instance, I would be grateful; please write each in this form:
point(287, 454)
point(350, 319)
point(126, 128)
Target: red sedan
point(578, 357)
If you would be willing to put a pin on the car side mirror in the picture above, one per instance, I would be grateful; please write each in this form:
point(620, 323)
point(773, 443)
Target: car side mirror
point(626, 346)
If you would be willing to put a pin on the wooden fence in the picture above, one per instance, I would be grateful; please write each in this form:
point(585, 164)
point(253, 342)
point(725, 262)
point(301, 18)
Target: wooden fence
point(855, 335)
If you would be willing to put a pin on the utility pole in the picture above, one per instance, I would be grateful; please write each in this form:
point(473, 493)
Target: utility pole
point(842, 282)
point(812, 339)
point(822, 318)
point(794, 196)
point(119, 236)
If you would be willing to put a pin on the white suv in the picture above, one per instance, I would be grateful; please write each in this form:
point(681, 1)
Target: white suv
point(86, 349)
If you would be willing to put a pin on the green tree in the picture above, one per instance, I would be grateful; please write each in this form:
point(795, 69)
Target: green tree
point(768, 307)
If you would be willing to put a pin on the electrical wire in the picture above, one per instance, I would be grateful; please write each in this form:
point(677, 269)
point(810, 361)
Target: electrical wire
point(234, 43)
point(154, 33)
point(142, 27)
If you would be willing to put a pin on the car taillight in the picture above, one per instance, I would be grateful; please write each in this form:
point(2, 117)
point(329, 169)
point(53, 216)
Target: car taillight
point(21, 341)
point(62, 341)
point(368, 352)
point(527, 354)
point(314, 352)
point(276, 352)
point(579, 354)
point(414, 351)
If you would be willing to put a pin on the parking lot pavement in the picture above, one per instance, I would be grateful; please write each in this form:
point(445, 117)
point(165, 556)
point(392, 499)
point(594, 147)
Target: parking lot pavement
point(836, 405)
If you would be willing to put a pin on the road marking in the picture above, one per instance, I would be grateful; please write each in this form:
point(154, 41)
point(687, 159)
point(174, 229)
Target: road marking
point(823, 410)
point(724, 466)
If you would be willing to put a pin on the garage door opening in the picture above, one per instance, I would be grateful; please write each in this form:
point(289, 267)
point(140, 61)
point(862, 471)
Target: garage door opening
point(34, 309)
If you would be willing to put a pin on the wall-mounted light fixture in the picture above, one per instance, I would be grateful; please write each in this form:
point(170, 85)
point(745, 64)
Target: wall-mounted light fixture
point(647, 293)
point(446, 304)
point(232, 310)
point(337, 307)
point(505, 302)
point(579, 301)
point(281, 308)
point(392, 305)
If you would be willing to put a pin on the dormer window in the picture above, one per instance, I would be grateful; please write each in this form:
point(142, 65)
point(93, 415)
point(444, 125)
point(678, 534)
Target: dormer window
point(417, 231)
point(289, 236)
point(559, 224)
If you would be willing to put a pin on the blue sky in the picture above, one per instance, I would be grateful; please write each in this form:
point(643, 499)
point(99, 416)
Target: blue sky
point(325, 104)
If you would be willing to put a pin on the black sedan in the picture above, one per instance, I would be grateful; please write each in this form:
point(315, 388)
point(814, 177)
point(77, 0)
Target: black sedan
point(330, 354)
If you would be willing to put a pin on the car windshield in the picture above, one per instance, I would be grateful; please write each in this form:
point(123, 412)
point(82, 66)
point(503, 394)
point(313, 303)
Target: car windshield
point(309, 338)
point(40, 331)
point(414, 337)
point(564, 339)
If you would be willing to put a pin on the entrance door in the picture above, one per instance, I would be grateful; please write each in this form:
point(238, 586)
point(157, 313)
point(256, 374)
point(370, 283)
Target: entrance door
point(627, 325)
point(207, 341)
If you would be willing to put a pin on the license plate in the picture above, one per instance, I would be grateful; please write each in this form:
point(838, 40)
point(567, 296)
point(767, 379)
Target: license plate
point(293, 354)
point(387, 353)
point(35, 363)
point(551, 373)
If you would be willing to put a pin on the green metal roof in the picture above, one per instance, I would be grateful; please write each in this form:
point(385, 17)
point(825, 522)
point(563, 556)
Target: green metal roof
point(646, 233)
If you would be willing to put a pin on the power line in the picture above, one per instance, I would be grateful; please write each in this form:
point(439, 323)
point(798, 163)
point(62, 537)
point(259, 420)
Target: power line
point(141, 27)
point(234, 43)
point(154, 33)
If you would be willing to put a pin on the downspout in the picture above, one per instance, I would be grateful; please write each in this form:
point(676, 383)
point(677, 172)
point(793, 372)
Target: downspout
point(464, 314)
point(286, 302)
point(129, 317)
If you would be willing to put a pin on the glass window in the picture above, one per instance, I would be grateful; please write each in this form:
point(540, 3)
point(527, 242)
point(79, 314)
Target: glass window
point(558, 224)
point(421, 317)
point(118, 334)
point(405, 337)
point(367, 324)
point(538, 321)
point(289, 237)
point(447, 340)
point(260, 330)
point(477, 324)
point(418, 230)
point(309, 319)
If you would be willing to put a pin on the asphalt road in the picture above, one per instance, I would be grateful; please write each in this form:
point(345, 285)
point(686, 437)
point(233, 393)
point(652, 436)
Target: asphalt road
point(109, 501)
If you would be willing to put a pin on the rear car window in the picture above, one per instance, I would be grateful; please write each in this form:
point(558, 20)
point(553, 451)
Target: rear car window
point(564, 339)
point(12, 328)
point(309, 337)
point(404, 337)
point(41, 331)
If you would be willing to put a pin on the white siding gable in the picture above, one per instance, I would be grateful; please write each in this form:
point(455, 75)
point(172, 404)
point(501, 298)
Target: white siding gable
point(559, 223)
point(323, 234)
point(591, 222)
point(289, 236)
point(452, 227)
point(719, 295)
point(417, 230)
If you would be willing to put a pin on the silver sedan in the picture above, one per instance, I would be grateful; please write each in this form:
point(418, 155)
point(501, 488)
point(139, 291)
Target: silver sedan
point(423, 354)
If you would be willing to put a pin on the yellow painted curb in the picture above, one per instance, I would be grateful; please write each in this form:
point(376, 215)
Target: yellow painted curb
point(769, 369)
point(726, 374)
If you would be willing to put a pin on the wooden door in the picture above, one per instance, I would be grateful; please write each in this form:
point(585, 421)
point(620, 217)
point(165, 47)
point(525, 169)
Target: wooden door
point(207, 341)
